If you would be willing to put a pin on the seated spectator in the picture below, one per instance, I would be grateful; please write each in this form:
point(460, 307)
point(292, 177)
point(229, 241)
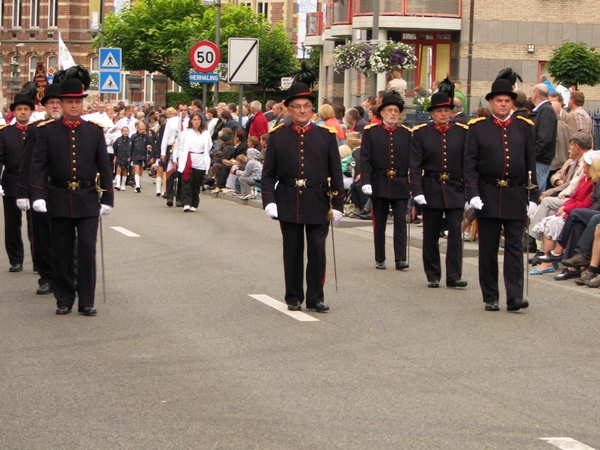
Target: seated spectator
point(264, 141)
point(251, 174)
point(231, 185)
point(346, 159)
point(550, 227)
point(240, 143)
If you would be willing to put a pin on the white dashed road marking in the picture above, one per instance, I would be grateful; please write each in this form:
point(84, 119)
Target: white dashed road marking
point(566, 443)
point(282, 307)
point(125, 231)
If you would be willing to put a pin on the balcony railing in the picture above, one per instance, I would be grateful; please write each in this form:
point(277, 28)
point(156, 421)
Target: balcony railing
point(445, 8)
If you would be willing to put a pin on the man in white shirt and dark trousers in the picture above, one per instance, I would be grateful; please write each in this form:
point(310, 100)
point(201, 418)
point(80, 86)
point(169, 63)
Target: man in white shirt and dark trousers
point(175, 125)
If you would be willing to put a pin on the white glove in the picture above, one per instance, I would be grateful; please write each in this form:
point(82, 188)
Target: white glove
point(271, 210)
point(40, 206)
point(337, 216)
point(367, 189)
point(468, 206)
point(105, 210)
point(23, 204)
point(1, 192)
point(420, 199)
point(476, 202)
point(531, 209)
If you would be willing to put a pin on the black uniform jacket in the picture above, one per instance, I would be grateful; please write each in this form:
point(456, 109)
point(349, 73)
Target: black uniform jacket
point(438, 152)
point(12, 150)
point(545, 132)
point(64, 154)
point(500, 152)
point(23, 185)
point(386, 149)
point(294, 154)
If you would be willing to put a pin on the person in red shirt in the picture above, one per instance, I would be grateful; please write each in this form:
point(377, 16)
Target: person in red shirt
point(259, 124)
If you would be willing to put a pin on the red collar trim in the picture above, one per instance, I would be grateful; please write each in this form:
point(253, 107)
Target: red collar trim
point(441, 129)
point(501, 123)
point(21, 127)
point(71, 124)
point(302, 130)
point(388, 128)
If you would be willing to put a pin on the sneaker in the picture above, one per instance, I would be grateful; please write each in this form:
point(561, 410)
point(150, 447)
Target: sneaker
point(594, 282)
point(247, 197)
point(158, 194)
point(186, 208)
point(192, 209)
point(122, 187)
point(467, 236)
point(585, 276)
point(117, 188)
point(138, 189)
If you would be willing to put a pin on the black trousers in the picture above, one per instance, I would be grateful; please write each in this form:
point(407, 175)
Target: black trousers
point(573, 231)
point(13, 241)
point(433, 223)
point(174, 189)
point(41, 244)
point(191, 188)
point(293, 261)
point(65, 285)
point(489, 243)
point(379, 212)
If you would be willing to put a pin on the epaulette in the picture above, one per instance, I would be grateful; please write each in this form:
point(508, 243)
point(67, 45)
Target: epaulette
point(525, 119)
point(462, 125)
point(277, 127)
point(474, 121)
point(45, 122)
point(96, 123)
point(418, 127)
point(407, 128)
point(371, 125)
point(2, 127)
point(330, 129)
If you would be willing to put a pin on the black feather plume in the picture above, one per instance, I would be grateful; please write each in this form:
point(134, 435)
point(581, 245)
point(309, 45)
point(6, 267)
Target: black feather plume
point(78, 72)
point(510, 75)
point(306, 74)
point(447, 86)
point(29, 89)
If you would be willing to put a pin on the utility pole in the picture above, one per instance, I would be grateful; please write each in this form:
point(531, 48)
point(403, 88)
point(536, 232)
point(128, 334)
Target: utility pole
point(374, 42)
point(218, 43)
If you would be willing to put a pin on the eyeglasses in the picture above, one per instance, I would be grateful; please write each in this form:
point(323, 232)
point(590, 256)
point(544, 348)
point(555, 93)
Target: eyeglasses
point(391, 110)
point(301, 107)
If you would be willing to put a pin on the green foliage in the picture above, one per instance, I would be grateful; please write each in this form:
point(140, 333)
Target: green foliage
point(573, 64)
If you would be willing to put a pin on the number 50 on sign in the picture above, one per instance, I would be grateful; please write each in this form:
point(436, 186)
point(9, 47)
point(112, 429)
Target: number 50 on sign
point(205, 56)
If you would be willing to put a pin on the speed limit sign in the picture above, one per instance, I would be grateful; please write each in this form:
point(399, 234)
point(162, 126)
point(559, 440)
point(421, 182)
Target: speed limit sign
point(205, 56)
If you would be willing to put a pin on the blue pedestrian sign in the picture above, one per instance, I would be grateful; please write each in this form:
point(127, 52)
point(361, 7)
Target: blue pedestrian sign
point(110, 82)
point(197, 77)
point(110, 59)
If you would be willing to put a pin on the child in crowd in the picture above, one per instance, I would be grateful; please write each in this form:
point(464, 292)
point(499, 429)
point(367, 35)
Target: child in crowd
point(122, 158)
point(141, 144)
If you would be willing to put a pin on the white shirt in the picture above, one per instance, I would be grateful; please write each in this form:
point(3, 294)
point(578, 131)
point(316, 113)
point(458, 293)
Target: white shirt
point(198, 145)
point(172, 130)
point(127, 122)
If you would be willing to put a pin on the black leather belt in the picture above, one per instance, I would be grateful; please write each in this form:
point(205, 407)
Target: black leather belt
point(503, 183)
point(12, 171)
point(444, 176)
point(72, 185)
point(390, 173)
point(294, 182)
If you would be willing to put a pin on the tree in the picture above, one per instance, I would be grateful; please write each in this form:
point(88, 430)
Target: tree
point(150, 32)
point(573, 64)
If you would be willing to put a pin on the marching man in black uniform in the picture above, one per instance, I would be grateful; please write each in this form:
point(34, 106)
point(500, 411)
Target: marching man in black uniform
point(12, 148)
point(68, 155)
point(436, 178)
point(384, 174)
point(499, 168)
point(41, 247)
point(304, 161)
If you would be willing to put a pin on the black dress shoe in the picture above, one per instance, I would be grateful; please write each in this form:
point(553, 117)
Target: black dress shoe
point(492, 305)
point(380, 265)
point(44, 289)
point(433, 284)
point(568, 274)
point(401, 265)
point(87, 311)
point(516, 304)
point(457, 283)
point(549, 257)
point(319, 307)
point(169, 202)
point(577, 260)
point(15, 268)
point(294, 306)
point(179, 204)
point(534, 258)
point(63, 310)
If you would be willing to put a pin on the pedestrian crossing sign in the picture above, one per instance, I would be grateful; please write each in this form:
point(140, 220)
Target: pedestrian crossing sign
point(110, 82)
point(110, 59)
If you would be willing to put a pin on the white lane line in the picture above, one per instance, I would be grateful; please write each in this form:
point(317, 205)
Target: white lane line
point(125, 231)
point(282, 307)
point(566, 443)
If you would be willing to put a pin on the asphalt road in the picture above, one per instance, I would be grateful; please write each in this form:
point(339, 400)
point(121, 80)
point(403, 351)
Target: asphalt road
point(182, 357)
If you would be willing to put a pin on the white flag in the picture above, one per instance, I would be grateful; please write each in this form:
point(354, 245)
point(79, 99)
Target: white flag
point(64, 56)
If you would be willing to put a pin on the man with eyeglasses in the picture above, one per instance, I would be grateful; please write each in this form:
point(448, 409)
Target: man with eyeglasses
point(384, 173)
point(301, 181)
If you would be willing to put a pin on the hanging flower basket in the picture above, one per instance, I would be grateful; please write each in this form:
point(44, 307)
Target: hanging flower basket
point(382, 58)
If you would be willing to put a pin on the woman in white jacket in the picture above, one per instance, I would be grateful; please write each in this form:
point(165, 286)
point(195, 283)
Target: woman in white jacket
point(193, 160)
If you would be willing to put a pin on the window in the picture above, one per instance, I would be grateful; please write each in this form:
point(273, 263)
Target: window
point(33, 61)
point(16, 18)
point(52, 62)
point(1, 13)
point(34, 18)
point(148, 88)
point(262, 8)
point(95, 71)
point(52, 13)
